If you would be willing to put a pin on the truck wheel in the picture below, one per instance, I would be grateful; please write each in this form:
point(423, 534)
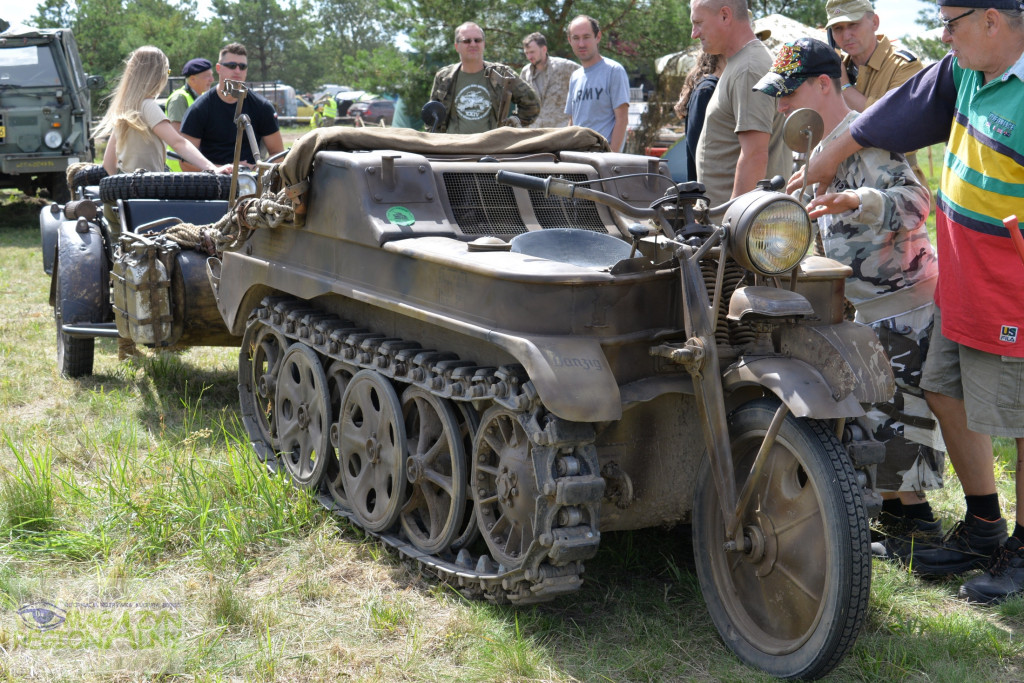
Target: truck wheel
point(165, 186)
point(90, 175)
point(74, 355)
point(371, 450)
point(791, 600)
point(59, 192)
point(302, 405)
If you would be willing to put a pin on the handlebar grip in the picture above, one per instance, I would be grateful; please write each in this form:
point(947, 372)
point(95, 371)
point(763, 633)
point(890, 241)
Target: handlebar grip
point(526, 182)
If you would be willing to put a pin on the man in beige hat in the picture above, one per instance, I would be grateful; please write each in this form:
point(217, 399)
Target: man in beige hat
point(872, 65)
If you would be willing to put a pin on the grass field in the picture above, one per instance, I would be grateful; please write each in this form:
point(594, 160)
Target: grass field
point(132, 507)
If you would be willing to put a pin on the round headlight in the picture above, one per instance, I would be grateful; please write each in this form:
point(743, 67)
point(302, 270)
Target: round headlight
point(53, 139)
point(769, 233)
point(246, 184)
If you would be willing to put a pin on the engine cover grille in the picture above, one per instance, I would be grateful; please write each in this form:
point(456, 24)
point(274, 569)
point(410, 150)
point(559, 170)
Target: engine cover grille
point(480, 206)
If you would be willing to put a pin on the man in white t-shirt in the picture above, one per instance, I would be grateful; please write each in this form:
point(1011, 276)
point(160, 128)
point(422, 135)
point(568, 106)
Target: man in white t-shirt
point(599, 92)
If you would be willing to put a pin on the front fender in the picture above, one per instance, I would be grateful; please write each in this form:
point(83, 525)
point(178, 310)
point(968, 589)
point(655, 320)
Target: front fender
point(83, 271)
point(847, 354)
point(50, 219)
point(803, 389)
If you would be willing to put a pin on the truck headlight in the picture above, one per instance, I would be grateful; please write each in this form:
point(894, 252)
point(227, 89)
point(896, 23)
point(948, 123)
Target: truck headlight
point(769, 233)
point(53, 139)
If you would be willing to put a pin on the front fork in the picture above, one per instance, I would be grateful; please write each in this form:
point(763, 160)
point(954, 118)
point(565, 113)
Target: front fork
point(699, 355)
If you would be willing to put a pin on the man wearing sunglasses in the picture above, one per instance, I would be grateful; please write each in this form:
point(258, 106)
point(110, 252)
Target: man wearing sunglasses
point(473, 91)
point(210, 122)
point(974, 374)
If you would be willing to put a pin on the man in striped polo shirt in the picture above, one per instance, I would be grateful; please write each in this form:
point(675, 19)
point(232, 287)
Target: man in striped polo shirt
point(974, 374)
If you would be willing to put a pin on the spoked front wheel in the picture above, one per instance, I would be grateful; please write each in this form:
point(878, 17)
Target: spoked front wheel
point(791, 596)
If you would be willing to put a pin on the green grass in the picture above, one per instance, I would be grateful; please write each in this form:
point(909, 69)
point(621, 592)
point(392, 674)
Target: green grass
point(140, 477)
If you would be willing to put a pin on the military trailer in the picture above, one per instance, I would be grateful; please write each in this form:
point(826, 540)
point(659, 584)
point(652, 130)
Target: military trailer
point(45, 109)
point(489, 350)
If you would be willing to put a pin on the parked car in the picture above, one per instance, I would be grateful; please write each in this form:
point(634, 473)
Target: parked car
point(374, 111)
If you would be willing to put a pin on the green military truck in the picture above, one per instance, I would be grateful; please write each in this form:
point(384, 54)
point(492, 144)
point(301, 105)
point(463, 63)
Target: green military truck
point(45, 109)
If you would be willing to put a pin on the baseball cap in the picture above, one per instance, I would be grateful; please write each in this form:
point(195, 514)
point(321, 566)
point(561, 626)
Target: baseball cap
point(796, 62)
point(196, 66)
point(841, 11)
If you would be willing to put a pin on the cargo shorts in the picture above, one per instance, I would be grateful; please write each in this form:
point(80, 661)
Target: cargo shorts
point(991, 386)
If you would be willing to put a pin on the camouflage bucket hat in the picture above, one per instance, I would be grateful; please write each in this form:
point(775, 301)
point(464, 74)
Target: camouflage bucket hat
point(796, 62)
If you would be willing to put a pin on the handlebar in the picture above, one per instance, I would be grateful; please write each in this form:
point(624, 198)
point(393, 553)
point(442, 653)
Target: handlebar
point(563, 188)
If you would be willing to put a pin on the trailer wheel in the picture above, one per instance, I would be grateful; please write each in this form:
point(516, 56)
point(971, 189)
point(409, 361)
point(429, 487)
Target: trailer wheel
point(165, 186)
point(74, 355)
point(792, 597)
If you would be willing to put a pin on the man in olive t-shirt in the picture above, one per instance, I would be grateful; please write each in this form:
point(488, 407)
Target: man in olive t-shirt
point(473, 90)
point(742, 139)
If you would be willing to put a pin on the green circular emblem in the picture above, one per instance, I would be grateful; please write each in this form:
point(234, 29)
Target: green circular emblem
point(399, 215)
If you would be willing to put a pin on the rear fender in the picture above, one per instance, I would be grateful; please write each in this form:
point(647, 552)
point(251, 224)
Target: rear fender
point(83, 270)
point(803, 389)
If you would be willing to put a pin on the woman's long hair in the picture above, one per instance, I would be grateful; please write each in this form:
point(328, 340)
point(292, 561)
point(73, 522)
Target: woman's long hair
point(705, 66)
point(144, 76)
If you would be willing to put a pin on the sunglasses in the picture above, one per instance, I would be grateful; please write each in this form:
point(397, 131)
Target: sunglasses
point(467, 41)
point(948, 23)
point(241, 66)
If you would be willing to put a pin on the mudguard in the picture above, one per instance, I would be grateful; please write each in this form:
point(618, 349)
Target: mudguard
point(84, 273)
point(848, 355)
point(797, 384)
point(50, 218)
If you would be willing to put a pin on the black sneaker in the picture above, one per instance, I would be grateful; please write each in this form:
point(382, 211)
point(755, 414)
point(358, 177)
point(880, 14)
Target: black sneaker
point(1004, 577)
point(901, 536)
point(968, 545)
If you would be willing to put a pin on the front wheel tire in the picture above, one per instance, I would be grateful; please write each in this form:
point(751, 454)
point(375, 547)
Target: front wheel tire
point(791, 600)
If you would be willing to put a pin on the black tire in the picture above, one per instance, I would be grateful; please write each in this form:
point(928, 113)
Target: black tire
point(794, 601)
point(74, 355)
point(59, 192)
point(165, 186)
point(90, 175)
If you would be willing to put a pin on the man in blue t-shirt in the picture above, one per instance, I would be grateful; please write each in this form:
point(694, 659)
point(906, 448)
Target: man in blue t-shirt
point(599, 92)
point(209, 123)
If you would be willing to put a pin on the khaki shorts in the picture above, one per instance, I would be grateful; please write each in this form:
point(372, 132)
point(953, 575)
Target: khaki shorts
point(991, 386)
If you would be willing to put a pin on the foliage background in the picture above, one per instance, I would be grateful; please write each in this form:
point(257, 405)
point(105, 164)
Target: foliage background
point(389, 46)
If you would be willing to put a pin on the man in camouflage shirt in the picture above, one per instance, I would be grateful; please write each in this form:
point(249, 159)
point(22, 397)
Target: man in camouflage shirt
point(549, 76)
point(477, 95)
point(872, 218)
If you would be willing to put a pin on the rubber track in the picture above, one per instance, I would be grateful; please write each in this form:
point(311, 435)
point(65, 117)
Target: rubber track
point(200, 186)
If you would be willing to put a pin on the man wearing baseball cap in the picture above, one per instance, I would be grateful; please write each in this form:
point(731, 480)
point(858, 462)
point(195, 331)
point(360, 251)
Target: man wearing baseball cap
point(872, 218)
point(872, 65)
point(974, 375)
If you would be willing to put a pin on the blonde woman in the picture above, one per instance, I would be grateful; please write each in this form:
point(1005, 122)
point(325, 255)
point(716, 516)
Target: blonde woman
point(136, 125)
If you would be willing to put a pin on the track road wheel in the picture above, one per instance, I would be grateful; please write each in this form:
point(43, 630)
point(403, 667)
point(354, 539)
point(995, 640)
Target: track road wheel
point(436, 469)
point(504, 486)
point(259, 364)
point(338, 377)
point(371, 450)
point(302, 407)
point(792, 599)
point(74, 355)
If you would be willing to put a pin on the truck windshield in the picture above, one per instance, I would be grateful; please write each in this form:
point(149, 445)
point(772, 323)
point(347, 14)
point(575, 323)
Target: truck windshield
point(30, 65)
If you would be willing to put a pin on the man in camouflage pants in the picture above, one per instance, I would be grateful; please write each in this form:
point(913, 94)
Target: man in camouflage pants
point(872, 218)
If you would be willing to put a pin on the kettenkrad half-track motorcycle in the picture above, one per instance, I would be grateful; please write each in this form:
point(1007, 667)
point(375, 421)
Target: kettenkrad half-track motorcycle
point(488, 350)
